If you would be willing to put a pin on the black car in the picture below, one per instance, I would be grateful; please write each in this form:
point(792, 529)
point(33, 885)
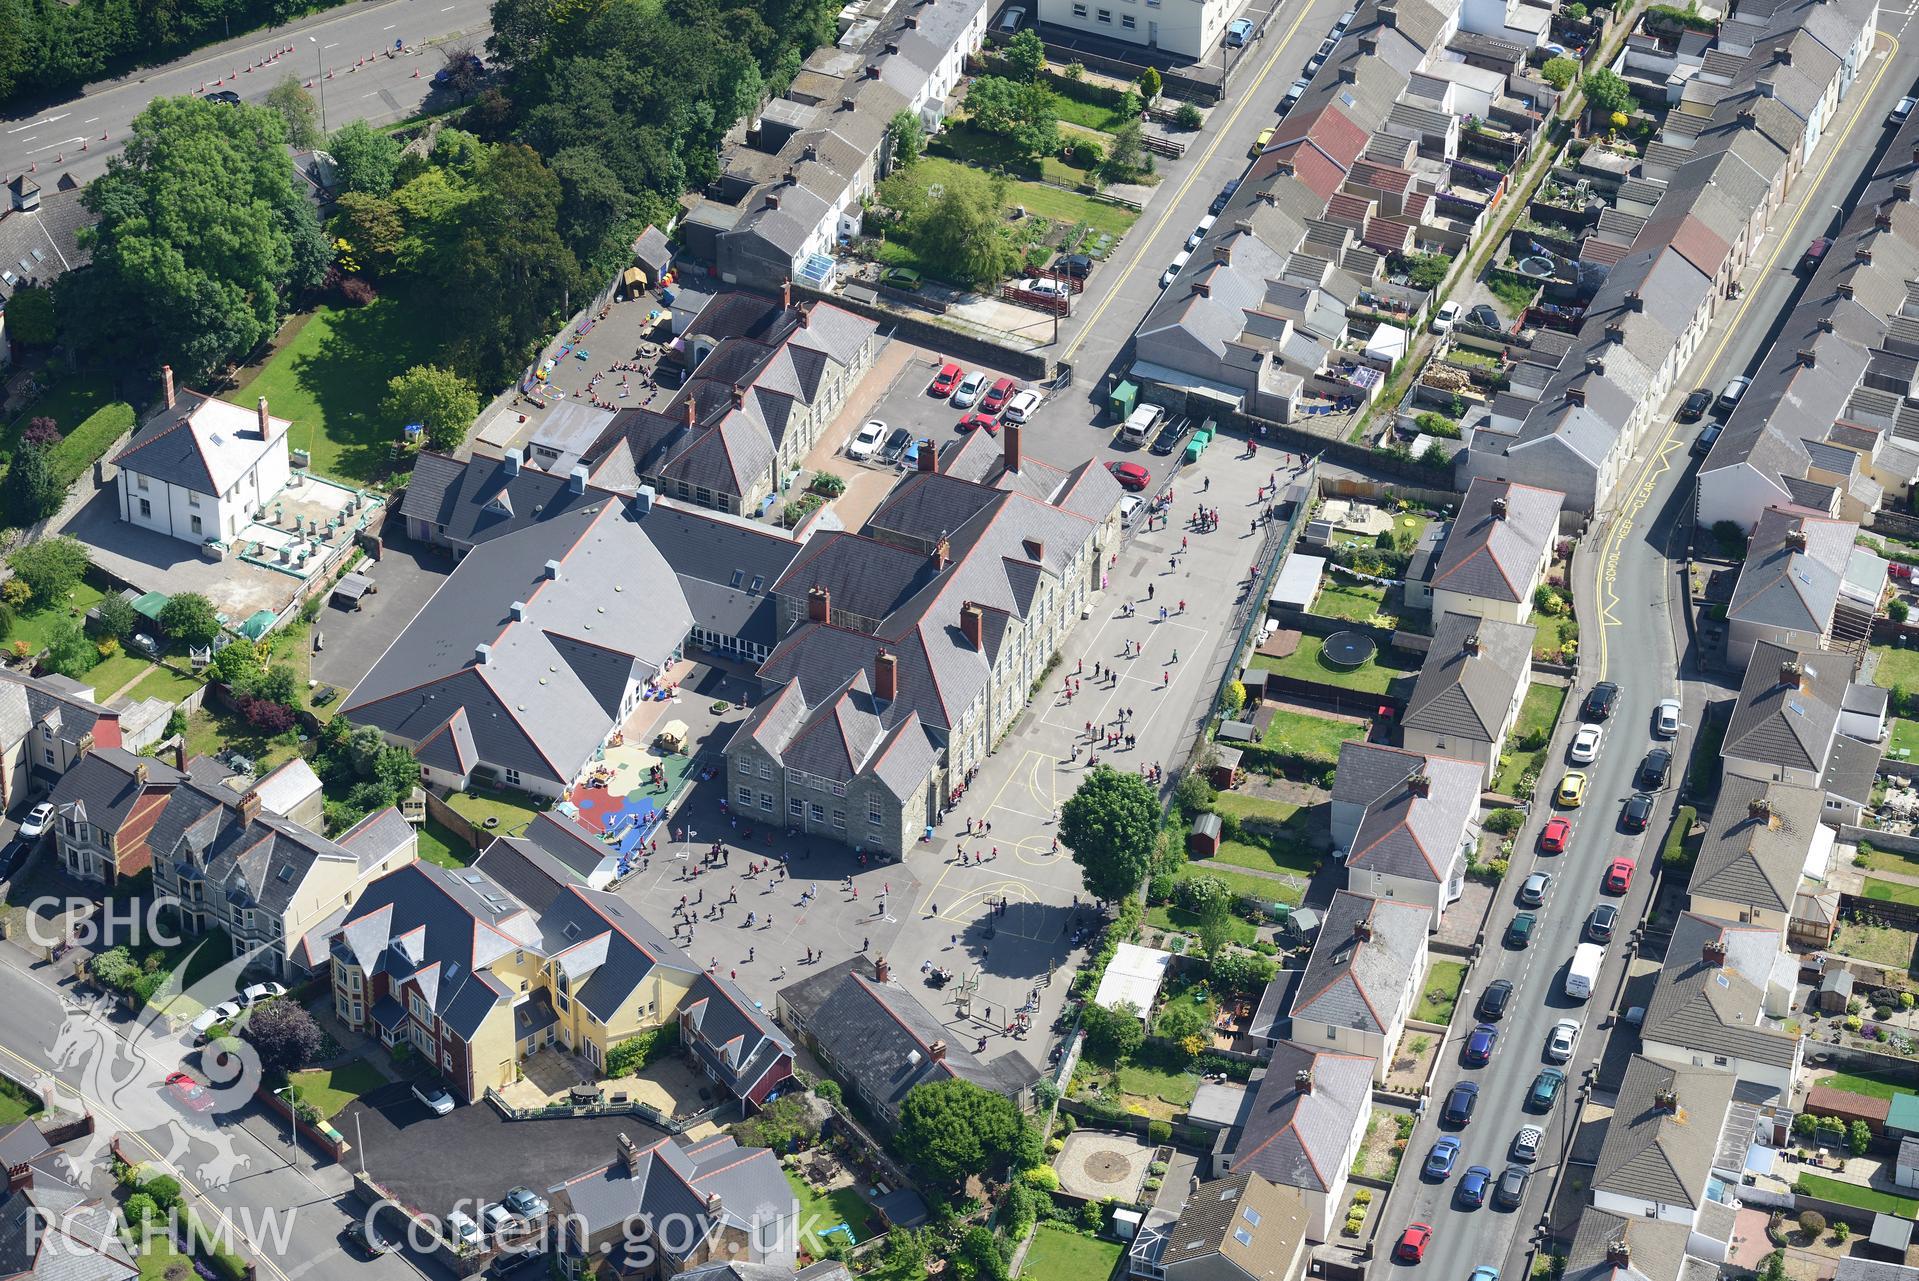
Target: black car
point(1600, 924)
point(1078, 266)
point(1226, 194)
point(1656, 768)
point(1600, 702)
point(1696, 405)
point(895, 446)
point(1702, 443)
point(225, 97)
point(15, 855)
point(1637, 813)
point(1494, 1000)
point(1459, 1104)
point(1172, 433)
point(1512, 1187)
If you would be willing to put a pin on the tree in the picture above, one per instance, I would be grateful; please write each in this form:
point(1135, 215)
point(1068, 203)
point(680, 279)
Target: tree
point(1560, 72)
point(32, 492)
point(114, 616)
point(1897, 610)
point(1021, 112)
point(238, 667)
point(297, 111)
point(1111, 823)
point(30, 316)
point(371, 227)
point(1858, 1138)
point(445, 402)
point(1112, 1033)
point(955, 1128)
point(1126, 155)
point(1181, 1019)
point(50, 567)
point(69, 652)
point(909, 138)
point(1025, 53)
point(1194, 795)
point(1215, 927)
point(1774, 1269)
point(114, 968)
point(462, 68)
point(278, 684)
point(962, 230)
point(1608, 93)
point(364, 159)
point(1150, 83)
point(397, 773)
point(190, 619)
point(283, 1034)
point(42, 431)
point(1232, 699)
point(1243, 972)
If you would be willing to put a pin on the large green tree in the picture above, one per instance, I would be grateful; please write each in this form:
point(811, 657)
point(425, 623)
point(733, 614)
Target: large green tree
point(1608, 92)
point(1110, 824)
point(50, 567)
point(964, 231)
point(202, 238)
point(31, 492)
point(1023, 113)
point(954, 1128)
point(297, 111)
point(364, 158)
point(190, 619)
point(440, 399)
point(30, 316)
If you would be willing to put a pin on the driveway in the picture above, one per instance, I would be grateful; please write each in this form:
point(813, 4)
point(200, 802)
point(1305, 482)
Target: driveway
point(407, 574)
point(473, 1154)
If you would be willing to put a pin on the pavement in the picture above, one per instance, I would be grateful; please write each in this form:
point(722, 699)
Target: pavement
point(1626, 580)
point(47, 141)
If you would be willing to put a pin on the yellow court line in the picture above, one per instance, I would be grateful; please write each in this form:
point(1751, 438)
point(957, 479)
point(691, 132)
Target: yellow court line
point(1172, 206)
point(1606, 569)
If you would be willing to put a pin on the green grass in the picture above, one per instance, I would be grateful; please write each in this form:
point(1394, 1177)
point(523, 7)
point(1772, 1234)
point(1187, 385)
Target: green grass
point(477, 804)
point(1349, 601)
point(1873, 1085)
point(1178, 920)
point(1181, 989)
point(1550, 636)
point(1537, 714)
point(1287, 858)
point(1309, 736)
point(1176, 1086)
point(161, 1256)
point(1891, 891)
point(1898, 667)
point(1087, 115)
point(16, 1105)
point(36, 627)
point(1441, 992)
point(1263, 888)
point(110, 674)
point(331, 1089)
point(330, 375)
point(1704, 766)
point(1373, 677)
point(1874, 859)
point(1880, 944)
point(1059, 1255)
point(212, 730)
point(439, 845)
point(1904, 739)
point(1862, 1198)
point(820, 1212)
point(165, 684)
point(90, 419)
point(1061, 206)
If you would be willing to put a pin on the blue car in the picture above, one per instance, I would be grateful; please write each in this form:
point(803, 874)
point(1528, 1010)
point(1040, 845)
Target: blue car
point(1472, 1187)
point(1439, 1162)
point(1484, 1273)
point(1479, 1044)
point(1459, 1103)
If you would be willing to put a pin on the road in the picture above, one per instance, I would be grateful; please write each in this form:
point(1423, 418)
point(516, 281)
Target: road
point(49, 142)
point(1625, 565)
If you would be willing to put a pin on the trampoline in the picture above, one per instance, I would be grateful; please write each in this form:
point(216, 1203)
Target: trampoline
point(1348, 650)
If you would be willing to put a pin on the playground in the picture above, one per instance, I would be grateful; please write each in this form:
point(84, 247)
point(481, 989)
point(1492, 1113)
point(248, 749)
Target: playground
point(625, 791)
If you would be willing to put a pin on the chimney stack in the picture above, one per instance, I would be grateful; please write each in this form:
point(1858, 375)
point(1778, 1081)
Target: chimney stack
point(553, 569)
point(1713, 952)
point(1619, 1254)
point(629, 1154)
point(1791, 673)
point(772, 200)
point(250, 806)
point(1747, 120)
point(1471, 643)
point(1863, 255)
point(786, 293)
point(1575, 395)
point(1420, 784)
point(1882, 221)
point(482, 653)
point(1824, 324)
point(180, 755)
point(1808, 358)
point(511, 462)
point(1223, 252)
point(942, 554)
point(713, 1205)
point(262, 412)
point(1615, 334)
point(937, 1051)
point(1369, 47)
point(1363, 929)
point(1843, 289)
point(1202, 289)
point(806, 313)
point(140, 774)
point(928, 457)
point(576, 479)
point(1796, 539)
point(1500, 508)
point(166, 371)
point(886, 677)
point(1902, 190)
point(1666, 1101)
point(1009, 433)
point(1634, 302)
point(1388, 16)
point(1348, 75)
point(517, 610)
point(739, 396)
point(973, 625)
point(1303, 1080)
point(692, 411)
point(882, 969)
point(819, 605)
point(1783, 57)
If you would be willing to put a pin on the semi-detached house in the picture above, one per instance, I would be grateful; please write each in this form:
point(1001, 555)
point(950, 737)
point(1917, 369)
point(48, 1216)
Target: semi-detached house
point(1302, 1127)
point(46, 724)
point(1363, 978)
point(1722, 1000)
point(1469, 690)
point(1405, 823)
point(1805, 584)
point(1662, 1144)
point(1494, 553)
point(1788, 725)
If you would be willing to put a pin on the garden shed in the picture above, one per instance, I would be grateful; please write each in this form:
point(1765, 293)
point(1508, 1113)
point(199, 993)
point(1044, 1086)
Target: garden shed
point(1203, 840)
point(1224, 772)
point(1906, 1172)
point(1834, 991)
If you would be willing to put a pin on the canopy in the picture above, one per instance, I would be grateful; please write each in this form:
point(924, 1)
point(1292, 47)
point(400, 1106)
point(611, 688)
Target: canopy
point(150, 605)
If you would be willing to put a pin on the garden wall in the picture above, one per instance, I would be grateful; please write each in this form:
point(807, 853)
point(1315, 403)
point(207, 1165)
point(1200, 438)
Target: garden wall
point(1378, 491)
point(1853, 1058)
point(1300, 620)
point(1349, 702)
point(1884, 840)
point(322, 1136)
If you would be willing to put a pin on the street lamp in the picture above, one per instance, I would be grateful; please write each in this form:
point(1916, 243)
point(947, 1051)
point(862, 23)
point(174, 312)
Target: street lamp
point(319, 75)
point(292, 1111)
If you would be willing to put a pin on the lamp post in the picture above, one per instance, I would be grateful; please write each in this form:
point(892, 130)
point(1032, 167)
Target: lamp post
point(292, 1110)
point(319, 76)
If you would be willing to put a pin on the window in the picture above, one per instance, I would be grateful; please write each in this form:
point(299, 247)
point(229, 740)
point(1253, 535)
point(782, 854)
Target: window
point(1332, 1034)
point(839, 819)
point(195, 522)
point(193, 500)
point(796, 807)
point(1126, 21)
point(838, 789)
point(1079, 11)
point(1242, 1236)
point(766, 769)
point(1106, 16)
point(146, 509)
point(49, 755)
point(745, 797)
point(873, 814)
point(512, 777)
point(141, 481)
point(1250, 1215)
point(817, 811)
point(766, 801)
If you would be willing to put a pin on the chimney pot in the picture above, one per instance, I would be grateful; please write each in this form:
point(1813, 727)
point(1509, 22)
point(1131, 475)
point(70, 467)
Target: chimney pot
point(1666, 1101)
point(882, 970)
point(250, 806)
point(1863, 255)
point(819, 605)
point(1790, 672)
point(1471, 643)
point(1882, 221)
point(1615, 334)
point(1843, 289)
point(1713, 952)
point(1420, 784)
point(937, 1051)
point(1808, 358)
point(1618, 1253)
point(1303, 1080)
point(166, 371)
point(886, 677)
point(1796, 539)
point(1500, 508)
point(1634, 302)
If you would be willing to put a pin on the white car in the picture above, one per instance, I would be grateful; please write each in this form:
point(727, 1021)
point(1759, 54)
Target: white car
point(435, 1097)
point(496, 1218)
point(462, 1228)
point(224, 1012)
point(1179, 265)
point(1199, 232)
point(1045, 286)
point(1526, 1144)
point(868, 440)
point(967, 394)
point(1443, 318)
point(1560, 1041)
point(1129, 507)
point(1666, 717)
point(38, 819)
point(1585, 748)
point(261, 992)
point(1021, 407)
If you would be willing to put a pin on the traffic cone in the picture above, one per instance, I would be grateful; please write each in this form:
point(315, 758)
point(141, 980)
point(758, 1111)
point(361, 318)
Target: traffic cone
point(83, 144)
point(309, 83)
point(416, 73)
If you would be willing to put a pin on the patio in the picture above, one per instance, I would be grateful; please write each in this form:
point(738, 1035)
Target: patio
point(669, 1085)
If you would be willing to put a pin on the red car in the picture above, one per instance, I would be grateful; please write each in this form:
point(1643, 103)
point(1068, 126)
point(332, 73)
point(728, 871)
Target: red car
point(997, 395)
point(189, 1093)
point(1554, 839)
point(1412, 1243)
point(976, 420)
point(945, 380)
point(1130, 475)
point(1619, 876)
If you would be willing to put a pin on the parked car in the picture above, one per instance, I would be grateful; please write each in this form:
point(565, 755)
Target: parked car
point(204, 1023)
point(1172, 433)
point(1411, 1247)
point(37, 821)
point(366, 1238)
point(1561, 1040)
point(1532, 891)
point(1199, 232)
point(1473, 1185)
point(1637, 812)
point(1130, 475)
point(1439, 1161)
point(1480, 1043)
point(997, 395)
point(1600, 924)
point(1129, 507)
point(1655, 769)
point(1224, 197)
point(1814, 255)
point(868, 440)
point(13, 858)
point(1696, 405)
point(1022, 406)
point(1494, 1000)
point(261, 992)
point(1519, 934)
point(1511, 1192)
point(1174, 268)
point(1545, 1089)
point(1045, 286)
point(1484, 1272)
point(974, 420)
point(1703, 442)
point(1665, 718)
point(1078, 266)
point(1238, 32)
point(895, 447)
point(1010, 20)
point(496, 1219)
point(1585, 746)
point(1572, 790)
point(434, 1096)
point(1259, 143)
point(1901, 110)
point(1460, 1103)
point(967, 394)
point(461, 1227)
point(1294, 93)
point(1619, 876)
point(525, 1202)
point(901, 278)
point(1444, 317)
point(1732, 394)
point(1556, 836)
point(189, 1093)
point(1600, 701)
point(228, 98)
point(945, 380)
point(1526, 1144)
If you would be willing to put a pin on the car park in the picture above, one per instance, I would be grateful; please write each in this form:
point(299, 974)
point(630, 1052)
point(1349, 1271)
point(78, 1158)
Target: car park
point(1494, 1000)
point(1460, 1103)
point(37, 821)
point(1238, 32)
point(1174, 268)
point(1473, 1185)
point(1224, 197)
point(461, 1227)
point(911, 457)
point(1023, 405)
point(1585, 746)
point(189, 1093)
point(1172, 433)
point(1600, 924)
point(259, 992)
point(1556, 836)
point(997, 395)
point(495, 1219)
point(1733, 392)
point(1480, 1043)
point(434, 1096)
point(1199, 232)
point(1703, 442)
point(1444, 318)
point(1532, 891)
point(967, 394)
point(1696, 405)
point(974, 420)
point(1545, 1089)
point(868, 440)
point(1655, 768)
point(1572, 790)
point(1519, 934)
point(1637, 812)
point(1600, 701)
point(1130, 475)
point(1526, 1144)
point(1561, 1040)
point(1511, 1192)
point(1901, 110)
point(1439, 1161)
point(895, 447)
point(1619, 876)
point(1665, 718)
point(945, 380)
point(1411, 1247)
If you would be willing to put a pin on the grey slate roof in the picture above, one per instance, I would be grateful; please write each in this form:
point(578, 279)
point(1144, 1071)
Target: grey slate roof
point(1297, 1138)
point(1458, 693)
point(478, 499)
point(1782, 585)
point(103, 786)
point(606, 948)
point(1496, 556)
point(1402, 832)
point(1850, 768)
point(727, 568)
point(1786, 719)
point(41, 242)
point(27, 703)
point(203, 444)
point(1656, 1152)
point(671, 1178)
point(1362, 961)
point(1654, 1250)
point(1716, 1009)
point(1754, 857)
point(739, 1042)
point(52, 1232)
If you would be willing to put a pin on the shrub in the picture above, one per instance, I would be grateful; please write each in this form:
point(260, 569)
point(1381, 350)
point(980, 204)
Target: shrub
point(140, 1208)
point(1812, 1223)
point(829, 484)
point(1195, 795)
point(828, 1089)
point(356, 291)
point(1897, 610)
point(1504, 821)
point(1188, 117)
point(1159, 1131)
point(1841, 1230)
point(1859, 1135)
point(265, 715)
point(1041, 1177)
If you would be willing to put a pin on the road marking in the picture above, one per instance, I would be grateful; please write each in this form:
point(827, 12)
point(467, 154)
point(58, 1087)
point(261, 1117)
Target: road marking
point(387, 27)
point(65, 142)
point(1172, 206)
point(1608, 567)
point(334, 45)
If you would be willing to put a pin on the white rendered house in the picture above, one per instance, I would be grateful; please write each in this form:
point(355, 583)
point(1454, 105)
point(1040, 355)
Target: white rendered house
point(199, 468)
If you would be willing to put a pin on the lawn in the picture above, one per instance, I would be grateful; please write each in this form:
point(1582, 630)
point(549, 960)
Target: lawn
point(1048, 202)
point(441, 846)
point(1263, 888)
point(213, 730)
point(1880, 944)
point(1550, 636)
point(477, 804)
point(16, 1105)
point(160, 1257)
point(1874, 859)
point(36, 627)
point(1150, 1080)
point(1871, 1084)
point(819, 1213)
point(109, 675)
point(1290, 859)
point(1891, 891)
point(90, 419)
point(1309, 737)
point(331, 1089)
point(1187, 988)
point(1904, 740)
point(1898, 666)
point(1852, 1194)
point(1443, 981)
point(329, 375)
point(1178, 920)
point(1059, 1255)
point(1350, 601)
point(165, 684)
point(1537, 715)
point(1374, 677)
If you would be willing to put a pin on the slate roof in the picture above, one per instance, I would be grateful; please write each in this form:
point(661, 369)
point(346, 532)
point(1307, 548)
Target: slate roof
point(737, 1041)
point(1404, 832)
point(606, 948)
point(29, 703)
point(1658, 1153)
point(103, 787)
point(1716, 1009)
point(1497, 556)
point(727, 567)
point(41, 244)
point(202, 444)
point(1297, 1138)
point(1469, 694)
point(53, 1232)
point(1754, 857)
point(1655, 1250)
point(1785, 586)
point(479, 499)
point(1250, 1224)
point(1788, 720)
point(1850, 767)
point(671, 1180)
point(1362, 962)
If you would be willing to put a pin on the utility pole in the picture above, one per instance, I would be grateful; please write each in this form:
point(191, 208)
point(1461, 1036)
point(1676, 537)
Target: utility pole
point(319, 76)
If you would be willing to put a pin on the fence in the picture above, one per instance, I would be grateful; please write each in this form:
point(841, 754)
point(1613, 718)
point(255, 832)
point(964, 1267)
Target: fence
point(1904, 916)
point(1442, 500)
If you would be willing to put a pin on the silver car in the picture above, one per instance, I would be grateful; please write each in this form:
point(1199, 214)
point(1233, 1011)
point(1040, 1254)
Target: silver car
point(1526, 1144)
point(1561, 1040)
point(1666, 717)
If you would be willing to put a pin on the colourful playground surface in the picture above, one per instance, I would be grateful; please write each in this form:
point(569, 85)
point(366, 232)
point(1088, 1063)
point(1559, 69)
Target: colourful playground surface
point(619, 801)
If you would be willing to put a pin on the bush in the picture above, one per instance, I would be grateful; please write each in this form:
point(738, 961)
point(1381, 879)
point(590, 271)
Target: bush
point(1194, 796)
point(829, 484)
point(828, 1089)
point(1859, 1135)
point(1112, 1035)
point(1188, 117)
point(1897, 610)
point(1041, 1177)
point(1504, 821)
point(1159, 1131)
point(635, 1052)
point(1812, 1223)
point(356, 291)
point(140, 1208)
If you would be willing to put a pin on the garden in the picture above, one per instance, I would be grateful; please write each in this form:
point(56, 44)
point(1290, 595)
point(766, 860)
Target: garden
point(1059, 1254)
point(1880, 944)
point(1296, 738)
point(1441, 993)
point(1376, 675)
point(1380, 1152)
point(1529, 739)
point(1358, 603)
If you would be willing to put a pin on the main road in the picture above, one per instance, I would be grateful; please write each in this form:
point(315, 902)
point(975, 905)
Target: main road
point(347, 55)
point(1634, 637)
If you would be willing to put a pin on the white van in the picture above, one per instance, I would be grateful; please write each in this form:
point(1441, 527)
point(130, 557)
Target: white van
point(1199, 232)
point(1584, 971)
point(1140, 425)
point(1179, 265)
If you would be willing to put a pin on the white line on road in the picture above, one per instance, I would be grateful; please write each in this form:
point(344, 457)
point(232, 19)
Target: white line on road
point(65, 142)
point(388, 27)
point(44, 120)
point(30, 138)
point(334, 45)
point(91, 120)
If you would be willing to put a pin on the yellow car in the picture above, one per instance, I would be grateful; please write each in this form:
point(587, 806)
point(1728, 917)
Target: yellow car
point(1572, 789)
point(1259, 143)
